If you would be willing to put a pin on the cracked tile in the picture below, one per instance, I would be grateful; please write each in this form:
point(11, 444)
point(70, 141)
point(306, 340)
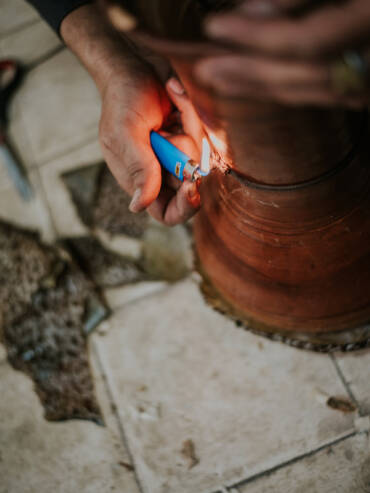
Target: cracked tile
point(39, 456)
point(355, 368)
point(179, 371)
point(341, 468)
point(56, 110)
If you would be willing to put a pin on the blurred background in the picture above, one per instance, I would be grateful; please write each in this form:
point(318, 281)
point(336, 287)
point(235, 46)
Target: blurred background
point(115, 375)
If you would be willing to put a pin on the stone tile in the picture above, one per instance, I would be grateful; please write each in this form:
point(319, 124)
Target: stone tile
point(37, 456)
point(14, 15)
point(121, 244)
point(65, 217)
point(355, 368)
point(56, 110)
point(167, 252)
point(33, 214)
point(341, 468)
point(179, 371)
point(30, 44)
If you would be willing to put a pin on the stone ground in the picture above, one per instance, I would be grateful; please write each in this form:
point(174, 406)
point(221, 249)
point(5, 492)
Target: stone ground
point(191, 403)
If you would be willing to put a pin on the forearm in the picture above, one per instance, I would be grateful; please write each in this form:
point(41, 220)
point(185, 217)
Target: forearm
point(101, 49)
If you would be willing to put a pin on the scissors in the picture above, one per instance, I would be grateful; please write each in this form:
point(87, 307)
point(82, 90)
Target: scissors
point(10, 77)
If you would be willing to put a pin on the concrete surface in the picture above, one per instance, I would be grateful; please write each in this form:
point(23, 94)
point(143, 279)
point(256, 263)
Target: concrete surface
point(192, 404)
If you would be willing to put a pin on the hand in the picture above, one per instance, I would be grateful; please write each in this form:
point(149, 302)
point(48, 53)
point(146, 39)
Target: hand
point(133, 107)
point(135, 102)
point(178, 201)
point(288, 59)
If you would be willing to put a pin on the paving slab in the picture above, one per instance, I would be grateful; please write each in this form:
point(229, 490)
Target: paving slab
point(355, 368)
point(341, 468)
point(65, 217)
point(29, 45)
point(204, 404)
point(56, 110)
point(38, 457)
point(15, 14)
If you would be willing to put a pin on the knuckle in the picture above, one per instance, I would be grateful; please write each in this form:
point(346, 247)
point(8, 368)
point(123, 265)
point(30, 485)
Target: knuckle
point(108, 140)
point(135, 171)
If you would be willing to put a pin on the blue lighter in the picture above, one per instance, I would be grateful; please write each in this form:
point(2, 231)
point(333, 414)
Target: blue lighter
point(176, 161)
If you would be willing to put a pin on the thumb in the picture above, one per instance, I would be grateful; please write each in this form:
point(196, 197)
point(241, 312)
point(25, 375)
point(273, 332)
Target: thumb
point(145, 176)
point(135, 168)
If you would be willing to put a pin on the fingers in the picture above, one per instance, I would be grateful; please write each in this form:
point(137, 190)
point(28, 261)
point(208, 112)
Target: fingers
point(173, 208)
point(269, 79)
point(121, 19)
point(191, 123)
point(272, 8)
point(177, 202)
point(325, 30)
point(237, 70)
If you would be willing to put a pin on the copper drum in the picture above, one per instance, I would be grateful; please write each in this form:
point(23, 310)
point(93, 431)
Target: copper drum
point(283, 236)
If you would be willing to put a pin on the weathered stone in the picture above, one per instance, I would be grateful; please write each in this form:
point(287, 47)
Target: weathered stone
point(107, 268)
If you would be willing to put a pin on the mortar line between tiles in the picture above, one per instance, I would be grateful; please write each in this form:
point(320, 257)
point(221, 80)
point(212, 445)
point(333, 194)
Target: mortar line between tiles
point(46, 202)
point(149, 295)
point(345, 383)
point(289, 462)
point(116, 414)
point(19, 28)
point(44, 58)
point(227, 490)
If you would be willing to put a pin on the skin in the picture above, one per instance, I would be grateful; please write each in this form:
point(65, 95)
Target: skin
point(287, 58)
point(135, 101)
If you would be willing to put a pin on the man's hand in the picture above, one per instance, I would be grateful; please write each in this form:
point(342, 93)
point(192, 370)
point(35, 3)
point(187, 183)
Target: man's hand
point(179, 201)
point(133, 105)
point(134, 102)
point(131, 110)
point(288, 58)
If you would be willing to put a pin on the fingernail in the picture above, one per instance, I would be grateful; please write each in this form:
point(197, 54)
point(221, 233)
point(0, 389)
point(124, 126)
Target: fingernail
point(260, 8)
point(176, 86)
point(135, 201)
point(121, 19)
point(216, 26)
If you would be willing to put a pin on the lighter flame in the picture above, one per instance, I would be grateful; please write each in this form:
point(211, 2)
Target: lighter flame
point(219, 144)
point(206, 156)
